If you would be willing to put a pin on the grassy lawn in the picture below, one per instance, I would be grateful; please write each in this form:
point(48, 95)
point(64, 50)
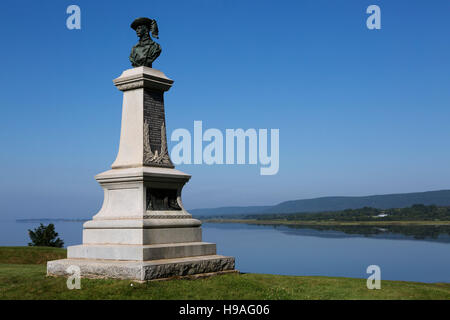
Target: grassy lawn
point(30, 255)
point(26, 279)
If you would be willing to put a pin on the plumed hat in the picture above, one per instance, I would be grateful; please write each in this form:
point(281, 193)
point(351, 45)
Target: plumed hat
point(150, 23)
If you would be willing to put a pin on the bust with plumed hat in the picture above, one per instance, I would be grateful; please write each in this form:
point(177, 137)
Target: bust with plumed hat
point(146, 50)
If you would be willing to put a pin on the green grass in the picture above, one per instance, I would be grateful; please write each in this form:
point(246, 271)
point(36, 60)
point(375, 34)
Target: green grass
point(28, 280)
point(30, 255)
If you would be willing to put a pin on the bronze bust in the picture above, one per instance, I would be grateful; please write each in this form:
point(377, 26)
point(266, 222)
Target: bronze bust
point(146, 50)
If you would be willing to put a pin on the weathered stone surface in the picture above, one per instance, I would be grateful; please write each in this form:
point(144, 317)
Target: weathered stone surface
point(187, 266)
point(97, 268)
point(141, 252)
point(146, 270)
point(144, 236)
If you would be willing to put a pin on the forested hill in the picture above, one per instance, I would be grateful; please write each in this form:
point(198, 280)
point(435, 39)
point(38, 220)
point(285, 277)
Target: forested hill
point(387, 201)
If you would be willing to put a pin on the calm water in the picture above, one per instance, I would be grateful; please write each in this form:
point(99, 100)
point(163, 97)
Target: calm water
point(414, 254)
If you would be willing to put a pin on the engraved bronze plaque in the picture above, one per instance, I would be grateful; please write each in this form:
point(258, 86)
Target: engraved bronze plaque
point(155, 141)
point(154, 117)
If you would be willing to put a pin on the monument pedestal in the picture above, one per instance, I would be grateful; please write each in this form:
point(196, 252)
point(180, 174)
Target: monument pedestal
point(142, 231)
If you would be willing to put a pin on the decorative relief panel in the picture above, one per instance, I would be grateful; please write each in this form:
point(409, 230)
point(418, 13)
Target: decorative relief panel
point(162, 199)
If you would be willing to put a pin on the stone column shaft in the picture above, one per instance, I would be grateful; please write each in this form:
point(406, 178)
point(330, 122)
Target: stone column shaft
point(143, 140)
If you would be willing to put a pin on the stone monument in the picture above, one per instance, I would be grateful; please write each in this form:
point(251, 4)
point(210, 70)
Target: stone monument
point(142, 231)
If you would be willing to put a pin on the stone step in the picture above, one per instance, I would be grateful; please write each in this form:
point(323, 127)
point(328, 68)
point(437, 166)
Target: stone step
point(115, 232)
point(143, 270)
point(141, 252)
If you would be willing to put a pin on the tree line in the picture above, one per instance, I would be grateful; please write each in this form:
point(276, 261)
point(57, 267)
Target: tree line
point(417, 212)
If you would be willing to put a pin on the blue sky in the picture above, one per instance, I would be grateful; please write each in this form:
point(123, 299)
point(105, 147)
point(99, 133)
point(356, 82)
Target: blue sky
point(360, 111)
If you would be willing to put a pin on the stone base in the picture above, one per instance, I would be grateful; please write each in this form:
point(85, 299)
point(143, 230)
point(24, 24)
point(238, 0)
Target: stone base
point(144, 270)
point(141, 236)
point(141, 252)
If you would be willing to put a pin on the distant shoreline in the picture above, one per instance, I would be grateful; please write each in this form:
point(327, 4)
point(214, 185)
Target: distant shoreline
point(52, 220)
point(286, 222)
point(329, 223)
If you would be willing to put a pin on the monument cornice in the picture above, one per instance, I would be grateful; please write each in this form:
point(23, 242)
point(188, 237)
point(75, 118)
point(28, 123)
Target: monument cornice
point(143, 77)
point(143, 174)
